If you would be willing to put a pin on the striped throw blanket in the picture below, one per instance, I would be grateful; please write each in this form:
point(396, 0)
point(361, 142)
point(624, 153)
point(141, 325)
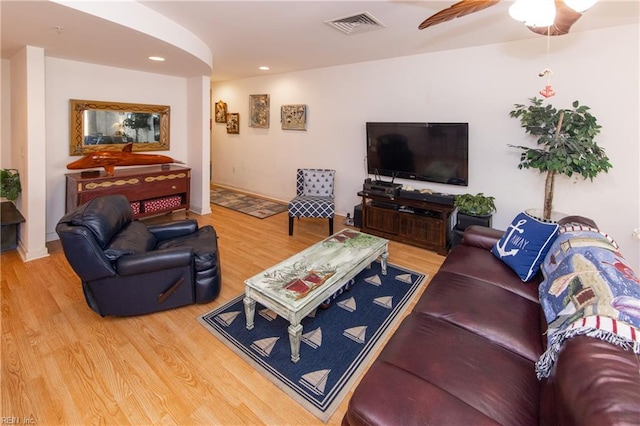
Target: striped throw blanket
point(589, 289)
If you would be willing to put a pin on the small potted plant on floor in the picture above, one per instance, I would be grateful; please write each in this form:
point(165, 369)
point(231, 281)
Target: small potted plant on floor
point(565, 142)
point(10, 217)
point(474, 210)
point(10, 184)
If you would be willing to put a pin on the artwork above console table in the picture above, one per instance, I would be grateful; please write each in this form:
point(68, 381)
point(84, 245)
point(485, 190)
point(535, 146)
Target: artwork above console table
point(151, 190)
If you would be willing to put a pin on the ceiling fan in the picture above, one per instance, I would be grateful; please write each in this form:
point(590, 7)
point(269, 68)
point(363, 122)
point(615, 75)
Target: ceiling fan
point(559, 17)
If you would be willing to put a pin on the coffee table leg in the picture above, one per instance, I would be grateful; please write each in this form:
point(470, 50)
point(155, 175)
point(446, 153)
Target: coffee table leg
point(295, 333)
point(383, 262)
point(249, 311)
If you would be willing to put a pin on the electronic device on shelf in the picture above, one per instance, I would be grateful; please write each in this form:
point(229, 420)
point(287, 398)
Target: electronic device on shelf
point(428, 195)
point(380, 187)
point(434, 152)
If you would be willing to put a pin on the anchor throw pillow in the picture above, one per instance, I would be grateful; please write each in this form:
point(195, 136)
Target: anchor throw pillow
point(525, 244)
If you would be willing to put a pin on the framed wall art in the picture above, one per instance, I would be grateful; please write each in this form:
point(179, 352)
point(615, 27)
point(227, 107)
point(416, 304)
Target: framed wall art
point(259, 111)
point(233, 123)
point(221, 112)
point(293, 117)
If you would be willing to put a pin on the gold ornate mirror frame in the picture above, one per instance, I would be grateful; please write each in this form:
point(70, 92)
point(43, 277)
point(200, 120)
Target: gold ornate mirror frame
point(110, 126)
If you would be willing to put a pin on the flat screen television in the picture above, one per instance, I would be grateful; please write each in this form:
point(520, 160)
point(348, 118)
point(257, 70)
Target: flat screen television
point(432, 152)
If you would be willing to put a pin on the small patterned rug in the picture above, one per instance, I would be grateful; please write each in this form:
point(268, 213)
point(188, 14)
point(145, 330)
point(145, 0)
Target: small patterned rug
point(247, 204)
point(337, 342)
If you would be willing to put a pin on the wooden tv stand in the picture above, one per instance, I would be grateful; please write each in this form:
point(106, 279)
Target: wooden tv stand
point(151, 190)
point(420, 223)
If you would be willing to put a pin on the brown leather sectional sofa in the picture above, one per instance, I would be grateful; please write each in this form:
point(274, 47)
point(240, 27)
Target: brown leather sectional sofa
point(466, 356)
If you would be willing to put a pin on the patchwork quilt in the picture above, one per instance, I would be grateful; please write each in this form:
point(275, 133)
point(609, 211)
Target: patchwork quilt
point(589, 289)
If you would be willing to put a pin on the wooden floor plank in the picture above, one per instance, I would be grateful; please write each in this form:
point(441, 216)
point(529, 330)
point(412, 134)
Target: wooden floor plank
point(64, 364)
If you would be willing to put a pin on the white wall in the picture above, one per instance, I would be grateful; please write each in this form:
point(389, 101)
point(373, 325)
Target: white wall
point(5, 114)
point(78, 80)
point(478, 85)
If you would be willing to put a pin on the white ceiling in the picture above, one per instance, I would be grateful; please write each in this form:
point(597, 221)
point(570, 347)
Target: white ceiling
point(284, 35)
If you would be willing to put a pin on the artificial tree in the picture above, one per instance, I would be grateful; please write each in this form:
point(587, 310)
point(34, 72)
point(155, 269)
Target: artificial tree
point(566, 143)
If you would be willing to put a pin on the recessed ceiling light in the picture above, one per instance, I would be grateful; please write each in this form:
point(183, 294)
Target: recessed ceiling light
point(156, 58)
point(263, 68)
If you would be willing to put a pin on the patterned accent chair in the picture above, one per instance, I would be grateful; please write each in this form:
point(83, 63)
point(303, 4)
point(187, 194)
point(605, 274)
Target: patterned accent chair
point(314, 196)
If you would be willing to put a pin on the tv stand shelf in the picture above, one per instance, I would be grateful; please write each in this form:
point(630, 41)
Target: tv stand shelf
point(420, 223)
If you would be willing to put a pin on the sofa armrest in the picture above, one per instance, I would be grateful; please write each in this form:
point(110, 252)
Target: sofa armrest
point(174, 229)
point(154, 261)
point(481, 236)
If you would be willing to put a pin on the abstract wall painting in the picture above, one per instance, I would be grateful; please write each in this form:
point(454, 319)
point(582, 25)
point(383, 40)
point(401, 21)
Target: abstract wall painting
point(293, 117)
point(259, 111)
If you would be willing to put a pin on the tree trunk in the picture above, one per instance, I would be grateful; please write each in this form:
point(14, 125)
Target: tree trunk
point(548, 194)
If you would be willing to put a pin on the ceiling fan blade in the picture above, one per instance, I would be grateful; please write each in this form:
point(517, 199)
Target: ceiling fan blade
point(462, 8)
point(565, 18)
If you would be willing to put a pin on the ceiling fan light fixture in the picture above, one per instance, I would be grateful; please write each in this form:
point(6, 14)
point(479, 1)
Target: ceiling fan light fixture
point(534, 13)
point(580, 5)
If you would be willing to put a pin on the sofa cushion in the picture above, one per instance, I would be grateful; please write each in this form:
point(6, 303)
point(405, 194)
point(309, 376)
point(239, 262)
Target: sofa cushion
point(434, 372)
point(481, 264)
point(103, 216)
point(481, 312)
point(134, 238)
point(524, 244)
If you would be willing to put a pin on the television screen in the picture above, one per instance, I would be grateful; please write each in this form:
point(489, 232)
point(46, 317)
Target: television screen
point(433, 152)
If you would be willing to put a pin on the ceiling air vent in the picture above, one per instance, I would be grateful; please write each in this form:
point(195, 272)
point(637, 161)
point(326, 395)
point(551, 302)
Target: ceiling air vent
point(353, 24)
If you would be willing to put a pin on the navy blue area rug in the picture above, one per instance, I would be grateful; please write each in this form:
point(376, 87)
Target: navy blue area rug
point(337, 342)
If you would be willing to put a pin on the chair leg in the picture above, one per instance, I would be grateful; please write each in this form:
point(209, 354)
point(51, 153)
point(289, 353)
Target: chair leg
point(290, 225)
point(330, 226)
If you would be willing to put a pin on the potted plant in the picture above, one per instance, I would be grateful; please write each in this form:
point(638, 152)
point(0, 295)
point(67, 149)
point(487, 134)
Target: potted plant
point(10, 184)
point(10, 217)
point(565, 141)
point(474, 210)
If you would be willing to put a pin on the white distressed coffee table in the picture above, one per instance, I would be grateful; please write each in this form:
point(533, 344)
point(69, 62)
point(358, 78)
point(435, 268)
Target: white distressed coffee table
point(296, 286)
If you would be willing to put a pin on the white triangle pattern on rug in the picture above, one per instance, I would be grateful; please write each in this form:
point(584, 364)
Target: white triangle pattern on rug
point(315, 381)
point(375, 280)
point(268, 314)
point(357, 334)
point(313, 338)
point(405, 278)
point(385, 301)
point(264, 346)
point(348, 304)
point(227, 318)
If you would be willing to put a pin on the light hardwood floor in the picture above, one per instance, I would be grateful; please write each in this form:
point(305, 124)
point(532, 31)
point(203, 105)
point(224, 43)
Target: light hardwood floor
point(63, 364)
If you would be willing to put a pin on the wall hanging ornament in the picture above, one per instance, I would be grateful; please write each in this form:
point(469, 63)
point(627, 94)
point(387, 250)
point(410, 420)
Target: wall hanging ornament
point(548, 91)
point(221, 112)
point(293, 117)
point(259, 111)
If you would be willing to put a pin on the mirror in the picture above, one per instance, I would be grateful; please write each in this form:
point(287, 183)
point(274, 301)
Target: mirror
point(110, 126)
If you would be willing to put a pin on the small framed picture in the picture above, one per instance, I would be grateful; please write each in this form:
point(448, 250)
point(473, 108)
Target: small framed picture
point(233, 123)
point(259, 111)
point(221, 112)
point(293, 117)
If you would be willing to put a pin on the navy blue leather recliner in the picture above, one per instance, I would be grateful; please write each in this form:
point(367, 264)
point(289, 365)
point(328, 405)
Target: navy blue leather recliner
point(129, 268)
